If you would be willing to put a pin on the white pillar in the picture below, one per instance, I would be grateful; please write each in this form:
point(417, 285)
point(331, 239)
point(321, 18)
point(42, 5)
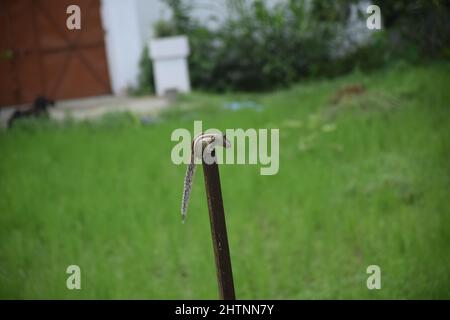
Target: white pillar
point(170, 69)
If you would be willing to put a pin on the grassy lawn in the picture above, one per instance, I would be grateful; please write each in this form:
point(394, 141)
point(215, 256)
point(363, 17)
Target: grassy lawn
point(363, 182)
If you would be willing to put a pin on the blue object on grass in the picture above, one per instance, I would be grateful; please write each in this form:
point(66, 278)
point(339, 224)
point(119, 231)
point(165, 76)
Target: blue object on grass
point(237, 105)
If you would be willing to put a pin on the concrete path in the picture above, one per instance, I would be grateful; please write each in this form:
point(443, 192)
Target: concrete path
point(96, 107)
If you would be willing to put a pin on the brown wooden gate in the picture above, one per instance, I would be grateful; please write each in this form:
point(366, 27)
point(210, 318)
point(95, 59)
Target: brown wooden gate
point(39, 55)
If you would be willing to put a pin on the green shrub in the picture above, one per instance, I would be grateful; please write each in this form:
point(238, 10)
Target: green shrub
point(259, 48)
point(145, 78)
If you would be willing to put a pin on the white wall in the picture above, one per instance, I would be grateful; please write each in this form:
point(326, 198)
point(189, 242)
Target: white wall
point(150, 11)
point(123, 42)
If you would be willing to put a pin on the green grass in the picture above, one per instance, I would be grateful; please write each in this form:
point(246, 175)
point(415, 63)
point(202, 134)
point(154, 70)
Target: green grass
point(364, 182)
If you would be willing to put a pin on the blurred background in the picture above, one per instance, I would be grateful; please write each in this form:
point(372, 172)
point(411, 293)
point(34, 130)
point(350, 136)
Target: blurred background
point(364, 125)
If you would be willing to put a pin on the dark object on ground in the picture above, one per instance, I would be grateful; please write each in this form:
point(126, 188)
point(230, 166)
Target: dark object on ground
point(38, 109)
point(349, 90)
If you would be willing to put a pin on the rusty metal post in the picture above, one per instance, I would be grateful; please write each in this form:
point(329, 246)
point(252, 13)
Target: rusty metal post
point(219, 231)
point(207, 145)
